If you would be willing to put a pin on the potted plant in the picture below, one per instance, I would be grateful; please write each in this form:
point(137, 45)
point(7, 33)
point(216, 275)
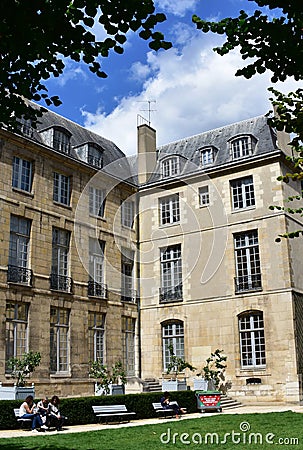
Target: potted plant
point(22, 368)
point(176, 365)
point(213, 373)
point(108, 381)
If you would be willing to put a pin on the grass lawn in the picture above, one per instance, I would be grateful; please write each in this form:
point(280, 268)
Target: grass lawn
point(237, 431)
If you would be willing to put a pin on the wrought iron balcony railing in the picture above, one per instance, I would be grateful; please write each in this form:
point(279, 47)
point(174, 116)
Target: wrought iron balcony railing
point(97, 289)
point(172, 294)
point(129, 295)
point(60, 283)
point(19, 275)
point(248, 283)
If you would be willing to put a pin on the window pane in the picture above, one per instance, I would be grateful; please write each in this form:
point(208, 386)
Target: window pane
point(252, 340)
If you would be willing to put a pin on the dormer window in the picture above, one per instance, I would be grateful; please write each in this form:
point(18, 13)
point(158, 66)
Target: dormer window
point(207, 156)
point(170, 167)
point(25, 126)
point(95, 155)
point(61, 140)
point(242, 146)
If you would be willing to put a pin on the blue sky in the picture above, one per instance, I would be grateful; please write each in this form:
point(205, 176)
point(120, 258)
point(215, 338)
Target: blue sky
point(191, 88)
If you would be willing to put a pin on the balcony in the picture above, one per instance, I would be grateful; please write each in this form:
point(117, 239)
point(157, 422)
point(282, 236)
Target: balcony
point(60, 283)
point(248, 283)
point(19, 275)
point(129, 295)
point(96, 289)
point(172, 294)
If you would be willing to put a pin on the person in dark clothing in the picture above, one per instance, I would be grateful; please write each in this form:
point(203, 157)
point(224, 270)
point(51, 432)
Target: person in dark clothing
point(56, 419)
point(166, 404)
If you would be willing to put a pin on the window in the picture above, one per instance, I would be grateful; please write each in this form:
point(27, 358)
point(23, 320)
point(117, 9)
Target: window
point(242, 146)
point(60, 251)
point(170, 167)
point(127, 213)
point(95, 156)
point(96, 333)
point(203, 196)
point(171, 273)
point(248, 270)
point(96, 201)
point(22, 174)
point(252, 340)
point(15, 331)
point(96, 287)
point(169, 209)
point(19, 251)
point(242, 193)
point(128, 344)
point(172, 335)
point(25, 126)
point(59, 339)
point(127, 267)
point(61, 189)
point(207, 156)
point(61, 141)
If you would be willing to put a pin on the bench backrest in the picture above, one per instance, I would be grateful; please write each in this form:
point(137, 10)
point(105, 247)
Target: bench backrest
point(109, 408)
point(159, 406)
point(17, 412)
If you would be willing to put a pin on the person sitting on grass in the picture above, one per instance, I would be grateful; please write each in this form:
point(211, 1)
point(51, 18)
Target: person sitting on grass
point(165, 403)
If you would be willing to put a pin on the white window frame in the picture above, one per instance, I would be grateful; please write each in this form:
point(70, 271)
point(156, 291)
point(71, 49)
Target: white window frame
point(60, 251)
point(241, 147)
point(172, 335)
point(96, 336)
point(20, 229)
point(247, 258)
point(96, 260)
point(170, 167)
point(62, 189)
point(61, 141)
point(171, 267)
point(242, 193)
point(252, 340)
point(16, 330)
point(59, 340)
point(169, 209)
point(207, 156)
point(96, 201)
point(203, 196)
point(128, 213)
point(22, 174)
point(129, 344)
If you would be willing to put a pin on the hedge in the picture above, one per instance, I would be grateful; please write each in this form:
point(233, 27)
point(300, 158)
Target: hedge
point(79, 409)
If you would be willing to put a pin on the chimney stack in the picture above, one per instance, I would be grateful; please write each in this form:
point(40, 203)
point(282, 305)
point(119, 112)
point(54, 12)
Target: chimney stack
point(147, 154)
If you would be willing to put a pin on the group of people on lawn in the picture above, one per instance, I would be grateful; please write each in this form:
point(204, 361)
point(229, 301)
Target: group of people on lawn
point(44, 415)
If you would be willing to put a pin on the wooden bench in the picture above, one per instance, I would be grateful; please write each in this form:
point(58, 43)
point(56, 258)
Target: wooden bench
point(22, 422)
point(165, 412)
point(113, 412)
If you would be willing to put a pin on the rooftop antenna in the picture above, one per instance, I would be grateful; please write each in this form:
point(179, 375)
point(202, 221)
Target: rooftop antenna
point(149, 110)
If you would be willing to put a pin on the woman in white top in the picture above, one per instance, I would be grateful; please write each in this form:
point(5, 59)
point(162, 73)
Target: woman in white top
point(27, 411)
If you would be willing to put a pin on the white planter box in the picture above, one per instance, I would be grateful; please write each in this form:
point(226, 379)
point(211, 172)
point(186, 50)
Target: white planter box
point(114, 389)
point(16, 392)
point(200, 384)
point(174, 385)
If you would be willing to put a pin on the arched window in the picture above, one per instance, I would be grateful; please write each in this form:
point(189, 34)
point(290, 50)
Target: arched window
point(252, 340)
point(61, 140)
point(172, 335)
point(242, 146)
point(170, 167)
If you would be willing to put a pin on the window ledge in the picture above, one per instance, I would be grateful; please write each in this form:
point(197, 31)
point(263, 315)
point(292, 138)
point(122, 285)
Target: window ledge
point(21, 191)
point(61, 375)
point(62, 205)
point(248, 208)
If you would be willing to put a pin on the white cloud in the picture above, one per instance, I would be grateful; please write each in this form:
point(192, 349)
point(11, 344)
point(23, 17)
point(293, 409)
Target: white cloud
point(195, 90)
point(178, 8)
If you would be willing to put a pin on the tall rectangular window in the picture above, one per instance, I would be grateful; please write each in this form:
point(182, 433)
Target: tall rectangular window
point(22, 174)
point(171, 273)
point(252, 340)
point(127, 213)
point(242, 193)
point(16, 325)
point(96, 287)
point(62, 189)
point(19, 244)
point(60, 253)
point(59, 340)
point(61, 141)
point(203, 196)
point(127, 267)
point(96, 336)
point(128, 344)
point(96, 201)
point(172, 335)
point(247, 256)
point(169, 209)
point(242, 146)
point(207, 156)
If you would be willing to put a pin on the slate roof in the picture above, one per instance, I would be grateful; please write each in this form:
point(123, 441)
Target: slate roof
point(189, 148)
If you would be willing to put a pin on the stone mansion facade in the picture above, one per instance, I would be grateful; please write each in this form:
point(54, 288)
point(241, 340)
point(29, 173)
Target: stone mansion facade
point(106, 257)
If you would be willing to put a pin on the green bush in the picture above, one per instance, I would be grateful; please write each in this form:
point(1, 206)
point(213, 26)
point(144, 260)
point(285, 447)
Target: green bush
point(79, 410)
